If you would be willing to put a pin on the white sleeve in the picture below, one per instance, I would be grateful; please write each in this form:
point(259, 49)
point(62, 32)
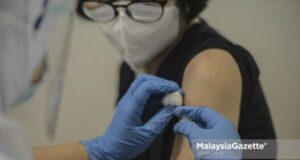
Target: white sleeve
point(14, 144)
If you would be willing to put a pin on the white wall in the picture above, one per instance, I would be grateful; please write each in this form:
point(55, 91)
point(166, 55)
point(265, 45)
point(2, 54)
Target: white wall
point(268, 28)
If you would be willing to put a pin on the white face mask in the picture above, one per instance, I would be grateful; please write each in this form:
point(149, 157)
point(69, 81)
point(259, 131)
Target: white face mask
point(138, 43)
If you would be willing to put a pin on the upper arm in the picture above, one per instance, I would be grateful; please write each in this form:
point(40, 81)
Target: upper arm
point(211, 79)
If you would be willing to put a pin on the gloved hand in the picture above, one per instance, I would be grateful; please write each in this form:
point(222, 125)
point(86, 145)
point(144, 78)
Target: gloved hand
point(207, 126)
point(127, 136)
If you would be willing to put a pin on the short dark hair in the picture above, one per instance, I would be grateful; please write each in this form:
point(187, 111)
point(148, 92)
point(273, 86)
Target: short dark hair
point(190, 9)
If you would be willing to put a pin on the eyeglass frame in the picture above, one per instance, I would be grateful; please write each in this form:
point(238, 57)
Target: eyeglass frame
point(116, 12)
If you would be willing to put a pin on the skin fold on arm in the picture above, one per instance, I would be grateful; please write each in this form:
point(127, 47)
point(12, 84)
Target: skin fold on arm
point(211, 79)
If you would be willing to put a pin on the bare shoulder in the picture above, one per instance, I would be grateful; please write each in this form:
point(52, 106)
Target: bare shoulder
point(212, 64)
point(213, 79)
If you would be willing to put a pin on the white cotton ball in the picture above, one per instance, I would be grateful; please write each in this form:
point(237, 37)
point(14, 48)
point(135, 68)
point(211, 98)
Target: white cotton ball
point(173, 99)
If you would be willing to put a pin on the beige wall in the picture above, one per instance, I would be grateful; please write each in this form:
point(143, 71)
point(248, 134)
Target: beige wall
point(268, 28)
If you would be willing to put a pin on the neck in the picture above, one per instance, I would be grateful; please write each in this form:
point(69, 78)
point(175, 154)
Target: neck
point(154, 64)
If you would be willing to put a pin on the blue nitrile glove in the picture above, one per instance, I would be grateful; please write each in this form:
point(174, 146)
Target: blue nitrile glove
point(206, 127)
point(127, 136)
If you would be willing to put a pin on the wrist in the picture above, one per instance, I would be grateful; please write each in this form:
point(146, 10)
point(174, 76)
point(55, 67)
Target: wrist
point(94, 148)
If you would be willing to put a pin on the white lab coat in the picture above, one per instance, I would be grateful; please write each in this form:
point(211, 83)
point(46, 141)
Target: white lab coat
point(14, 143)
point(16, 65)
point(22, 48)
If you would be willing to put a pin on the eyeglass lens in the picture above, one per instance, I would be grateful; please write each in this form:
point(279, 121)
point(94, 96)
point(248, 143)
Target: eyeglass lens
point(139, 11)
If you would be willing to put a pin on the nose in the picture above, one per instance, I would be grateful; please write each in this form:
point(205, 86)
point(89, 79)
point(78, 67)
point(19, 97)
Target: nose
point(121, 10)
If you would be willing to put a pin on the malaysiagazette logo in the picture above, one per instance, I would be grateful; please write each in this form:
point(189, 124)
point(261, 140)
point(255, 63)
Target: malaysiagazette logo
point(229, 146)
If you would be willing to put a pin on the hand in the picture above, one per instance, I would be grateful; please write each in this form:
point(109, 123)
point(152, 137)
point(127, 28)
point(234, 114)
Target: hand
point(207, 126)
point(127, 136)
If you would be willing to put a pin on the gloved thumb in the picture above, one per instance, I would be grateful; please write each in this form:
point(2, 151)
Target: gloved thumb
point(186, 128)
point(160, 120)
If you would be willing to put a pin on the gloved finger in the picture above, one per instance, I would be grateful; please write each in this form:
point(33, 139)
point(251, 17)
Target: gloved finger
point(138, 81)
point(160, 120)
point(186, 128)
point(151, 87)
point(154, 87)
point(199, 114)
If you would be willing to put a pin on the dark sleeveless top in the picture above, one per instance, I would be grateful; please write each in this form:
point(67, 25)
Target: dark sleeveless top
point(255, 120)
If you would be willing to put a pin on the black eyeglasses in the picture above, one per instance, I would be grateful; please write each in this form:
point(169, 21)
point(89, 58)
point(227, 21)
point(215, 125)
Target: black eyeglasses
point(141, 11)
